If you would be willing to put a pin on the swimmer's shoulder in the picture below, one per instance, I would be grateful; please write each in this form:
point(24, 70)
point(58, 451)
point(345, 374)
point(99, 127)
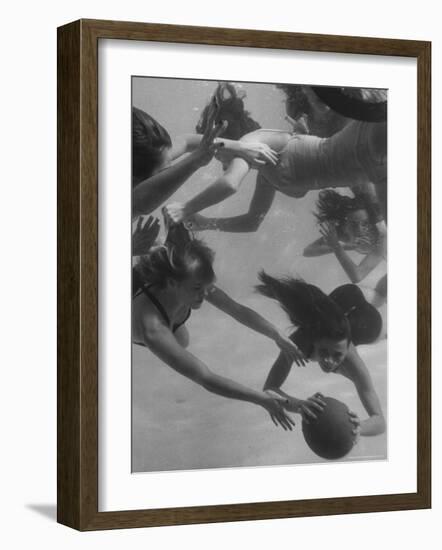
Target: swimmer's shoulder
point(145, 313)
point(349, 366)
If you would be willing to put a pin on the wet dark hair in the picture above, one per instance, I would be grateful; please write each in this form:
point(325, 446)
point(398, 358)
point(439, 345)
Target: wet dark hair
point(333, 207)
point(343, 315)
point(299, 106)
point(177, 261)
point(365, 320)
point(307, 307)
point(297, 103)
point(232, 110)
point(149, 139)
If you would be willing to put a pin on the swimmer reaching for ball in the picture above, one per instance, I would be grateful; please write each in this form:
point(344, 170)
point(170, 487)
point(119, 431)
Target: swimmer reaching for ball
point(329, 329)
point(178, 276)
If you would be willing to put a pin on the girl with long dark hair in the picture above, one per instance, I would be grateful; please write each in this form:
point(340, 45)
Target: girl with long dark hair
point(328, 331)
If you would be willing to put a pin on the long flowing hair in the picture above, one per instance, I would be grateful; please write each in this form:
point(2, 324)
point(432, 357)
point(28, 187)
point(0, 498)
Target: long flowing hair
point(335, 208)
point(306, 306)
point(343, 315)
point(231, 108)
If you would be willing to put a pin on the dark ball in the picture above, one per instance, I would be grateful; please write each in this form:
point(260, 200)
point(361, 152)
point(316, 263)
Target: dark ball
point(331, 434)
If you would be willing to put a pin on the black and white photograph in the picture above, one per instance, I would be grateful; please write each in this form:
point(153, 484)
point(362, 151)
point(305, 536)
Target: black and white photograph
point(259, 274)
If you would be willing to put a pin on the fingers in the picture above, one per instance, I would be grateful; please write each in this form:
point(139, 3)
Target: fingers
point(269, 156)
point(302, 359)
point(218, 130)
point(282, 419)
point(293, 352)
point(354, 419)
point(324, 230)
point(299, 357)
point(272, 156)
point(152, 225)
point(319, 398)
point(316, 404)
point(213, 112)
point(307, 413)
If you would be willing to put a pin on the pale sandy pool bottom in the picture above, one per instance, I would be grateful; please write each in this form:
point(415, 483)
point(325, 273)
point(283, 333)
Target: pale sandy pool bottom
point(177, 425)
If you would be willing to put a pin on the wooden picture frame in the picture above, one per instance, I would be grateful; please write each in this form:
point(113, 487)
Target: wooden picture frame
point(77, 460)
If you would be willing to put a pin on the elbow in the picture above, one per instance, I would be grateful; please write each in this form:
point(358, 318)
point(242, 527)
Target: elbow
point(229, 189)
point(150, 339)
point(230, 185)
point(382, 425)
point(268, 386)
point(205, 379)
point(254, 223)
point(375, 425)
point(356, 277)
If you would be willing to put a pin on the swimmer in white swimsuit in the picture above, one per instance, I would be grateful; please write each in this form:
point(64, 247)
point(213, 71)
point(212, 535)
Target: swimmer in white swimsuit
point(354, 156)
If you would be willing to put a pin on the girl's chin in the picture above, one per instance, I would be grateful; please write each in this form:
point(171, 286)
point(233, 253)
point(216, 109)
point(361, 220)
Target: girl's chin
point(328, 368)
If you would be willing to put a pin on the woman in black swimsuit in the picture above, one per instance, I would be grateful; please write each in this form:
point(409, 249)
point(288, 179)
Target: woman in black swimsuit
point(177, 278)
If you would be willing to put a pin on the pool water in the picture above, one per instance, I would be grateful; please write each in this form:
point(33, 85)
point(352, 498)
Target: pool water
point(176, 424)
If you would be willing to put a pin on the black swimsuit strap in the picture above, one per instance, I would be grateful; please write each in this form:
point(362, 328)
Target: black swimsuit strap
point(157, 304)
point(160, 308)
point(177, 325)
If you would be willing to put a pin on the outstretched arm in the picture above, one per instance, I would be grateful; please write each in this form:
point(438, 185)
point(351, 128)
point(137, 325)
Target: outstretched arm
point(160, 340)
point(260, 204)
point(255, 152)
point(154, 191)
point(307, 408)
point(250, 318)
point(278, 372)
point(355, 369)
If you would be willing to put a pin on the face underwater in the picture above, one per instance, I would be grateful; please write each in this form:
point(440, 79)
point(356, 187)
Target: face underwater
point(357, 224)
point(330, 353)
point(191, 292)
